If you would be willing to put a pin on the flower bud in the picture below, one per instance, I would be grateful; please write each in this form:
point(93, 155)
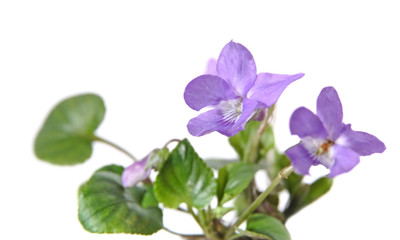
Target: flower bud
point(136, 172)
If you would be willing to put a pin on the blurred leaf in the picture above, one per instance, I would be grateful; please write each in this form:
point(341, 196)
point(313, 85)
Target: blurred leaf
point(185, 178)
point(68, 132)
point(306, 194)
point(219, 212)
point(241, 202)
point(106, 207)
point(149, 198)
point(317, 189)
point(267, 225)
point(233, 179)
point(267, 142)
point(218, 163)
point(241, 142)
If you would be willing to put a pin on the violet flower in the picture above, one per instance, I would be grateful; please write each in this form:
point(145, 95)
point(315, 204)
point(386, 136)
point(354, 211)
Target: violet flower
point(326, 140)
point(136, 172)
point(234, 95)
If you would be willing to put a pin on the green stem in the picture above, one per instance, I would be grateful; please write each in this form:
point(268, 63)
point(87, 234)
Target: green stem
point(185, 236)
point(251, 153)
point(190, 210)
point(171, 141)
point(284, 173)
point(99, 139)
point(201, 221)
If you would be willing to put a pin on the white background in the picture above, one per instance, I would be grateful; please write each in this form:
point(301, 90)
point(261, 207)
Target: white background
point(140, 55)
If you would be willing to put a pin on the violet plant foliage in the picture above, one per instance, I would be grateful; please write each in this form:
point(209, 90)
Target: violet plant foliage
point(128, 200)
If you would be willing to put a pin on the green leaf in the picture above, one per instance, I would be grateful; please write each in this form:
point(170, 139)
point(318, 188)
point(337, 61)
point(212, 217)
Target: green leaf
point(233, 179)
point(67, 134)
point(106, 207)
point(241, 142)
point(185, 178)
point(149, 198)
point(317, 189)
point(268, 226)
point(306, 194)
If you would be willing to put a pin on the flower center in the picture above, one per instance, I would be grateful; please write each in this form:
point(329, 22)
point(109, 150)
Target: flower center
point(324, 147)
point(231, 110)
point(320, 150)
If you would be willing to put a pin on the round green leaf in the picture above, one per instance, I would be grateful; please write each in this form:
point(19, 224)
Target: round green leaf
point(267, 225)
point(67, 134)
point(185, 178)
point(106, 207)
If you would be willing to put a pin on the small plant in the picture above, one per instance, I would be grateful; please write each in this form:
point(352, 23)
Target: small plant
point(239, 104)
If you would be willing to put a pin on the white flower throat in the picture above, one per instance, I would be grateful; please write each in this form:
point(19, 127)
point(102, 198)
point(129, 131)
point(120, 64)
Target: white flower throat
point(231, 110)
point(320, 150)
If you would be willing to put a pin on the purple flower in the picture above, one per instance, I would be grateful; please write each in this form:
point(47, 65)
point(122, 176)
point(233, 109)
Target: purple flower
point(234, 95)
point(326, 140)
point(136, 172)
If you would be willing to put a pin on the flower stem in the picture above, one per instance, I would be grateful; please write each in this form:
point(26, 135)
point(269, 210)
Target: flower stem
point(190, 210)
point(251, 153)
point(171, 141)
point(186, 236)
point(99, 139)
point(284, 173)
point(202, 221)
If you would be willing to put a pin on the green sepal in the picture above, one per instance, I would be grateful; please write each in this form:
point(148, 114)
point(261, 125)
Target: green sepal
point(159, 157)
point(106, 207)
point(267, 225)
point(233, 179)
point(185, 178)
point(66, 136)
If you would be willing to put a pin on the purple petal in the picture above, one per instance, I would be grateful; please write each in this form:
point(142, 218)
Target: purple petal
point(329, 110)
point(345, 160)
point(248, 110)
point(211, 66)
point(361, 142)
point(300, 159)
point(207, 90)
point(205, 123)
point(236, 65)
point(268, 87)
point(135, 173)
point(304, 123)
point(215, 120)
